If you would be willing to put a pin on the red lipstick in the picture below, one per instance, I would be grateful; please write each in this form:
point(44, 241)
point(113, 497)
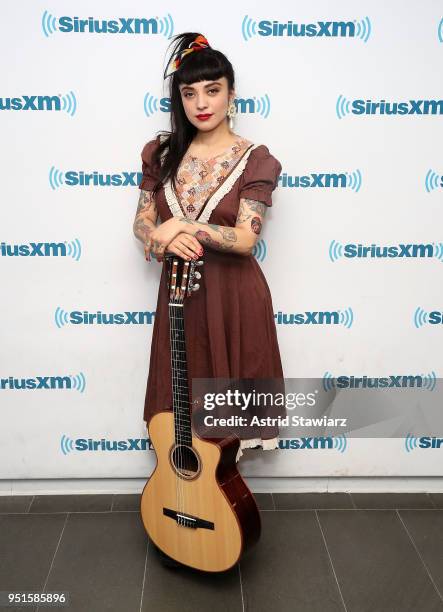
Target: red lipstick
point(204, 117)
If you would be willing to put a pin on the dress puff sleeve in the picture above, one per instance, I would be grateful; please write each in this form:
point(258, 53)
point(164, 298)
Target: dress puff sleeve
point(260, 176)
point(149, 171)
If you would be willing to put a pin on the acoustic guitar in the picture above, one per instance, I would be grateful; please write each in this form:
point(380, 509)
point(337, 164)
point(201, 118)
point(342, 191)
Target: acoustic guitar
point(195, 507)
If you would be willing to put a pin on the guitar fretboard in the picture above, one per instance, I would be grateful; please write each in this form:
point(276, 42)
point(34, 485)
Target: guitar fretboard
point(180, 390)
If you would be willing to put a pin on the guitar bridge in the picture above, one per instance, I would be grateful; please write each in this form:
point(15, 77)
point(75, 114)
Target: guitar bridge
point(186, 520)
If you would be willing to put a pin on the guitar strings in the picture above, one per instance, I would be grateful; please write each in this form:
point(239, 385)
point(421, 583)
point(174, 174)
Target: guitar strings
point(178, 420)
point(174, 392)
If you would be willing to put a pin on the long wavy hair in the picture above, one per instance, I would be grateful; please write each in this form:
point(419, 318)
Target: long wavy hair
point(203, 65)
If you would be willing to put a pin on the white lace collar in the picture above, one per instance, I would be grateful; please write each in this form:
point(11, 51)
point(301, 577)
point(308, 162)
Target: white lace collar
point(215, 198)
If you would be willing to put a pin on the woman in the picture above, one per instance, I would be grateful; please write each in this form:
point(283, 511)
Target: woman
point(210, 187)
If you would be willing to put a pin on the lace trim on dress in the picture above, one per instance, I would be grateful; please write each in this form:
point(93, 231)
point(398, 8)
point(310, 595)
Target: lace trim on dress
point(215, 198)
point(265, 444)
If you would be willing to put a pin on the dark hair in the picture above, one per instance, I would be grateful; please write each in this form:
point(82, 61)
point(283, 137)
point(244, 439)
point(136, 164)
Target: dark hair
point(203, 65)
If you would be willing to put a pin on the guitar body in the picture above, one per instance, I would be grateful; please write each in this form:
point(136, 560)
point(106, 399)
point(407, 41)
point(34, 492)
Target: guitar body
point(196, 507)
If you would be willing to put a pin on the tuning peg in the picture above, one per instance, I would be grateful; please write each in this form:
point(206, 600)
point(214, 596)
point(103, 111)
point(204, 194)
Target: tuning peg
point(197, 274)
point(195, 287)
point(200, 262)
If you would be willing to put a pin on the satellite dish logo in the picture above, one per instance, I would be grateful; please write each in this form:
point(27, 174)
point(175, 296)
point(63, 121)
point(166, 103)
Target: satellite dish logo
point(354, 180)
point(78, 382)
point(335, 250)
point(121, 25)
point(346, 317)
point(340, 443)
point(342, 107)
point(66, 445)
point(256, 105)
point(329, 382)
point(69, 103)
point(74, 249)
point(433, 181)
point(61, 317)
point(56, 178)
point(411, 443)
point(259, 250)
point(351, 29)
point(421, 317)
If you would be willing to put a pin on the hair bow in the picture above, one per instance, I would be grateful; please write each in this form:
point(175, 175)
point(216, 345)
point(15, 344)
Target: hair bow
point(196, 45)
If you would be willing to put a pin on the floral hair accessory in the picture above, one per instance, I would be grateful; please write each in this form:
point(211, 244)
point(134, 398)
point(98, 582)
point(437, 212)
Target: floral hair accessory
point(196, 45)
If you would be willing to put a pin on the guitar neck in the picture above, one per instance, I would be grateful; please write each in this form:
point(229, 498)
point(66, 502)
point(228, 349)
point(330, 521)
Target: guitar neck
point(180, 390)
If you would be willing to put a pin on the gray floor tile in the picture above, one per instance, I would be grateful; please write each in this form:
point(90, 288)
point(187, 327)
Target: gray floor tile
point(376, 564)
point(437, 499)
point(27, 547)
point(71, 503)
point(311, 501)
point(126, 502)
point(187, 590)
point(372, 501)
point(426, 530)
point(101, 561)
point(15, 503)
point(289, 569)
point(264, 501)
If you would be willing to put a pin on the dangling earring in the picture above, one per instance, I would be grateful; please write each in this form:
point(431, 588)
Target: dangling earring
point(231, 113)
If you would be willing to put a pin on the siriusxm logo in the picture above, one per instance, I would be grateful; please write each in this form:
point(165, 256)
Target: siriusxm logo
point(345, 180)
point(77, 317)
point(252, 106)
point(422, 317)
point(67, 103)
point(329, 29)
point(42, 249)
point(75, 178)
point(433, 181)
point(68, 445)
point(333, 317)
point(373, 251)
point(345, 107)
point(122, 25)
point(424, 381)
point(338, 443)
point(77, 383)
point(424, 442)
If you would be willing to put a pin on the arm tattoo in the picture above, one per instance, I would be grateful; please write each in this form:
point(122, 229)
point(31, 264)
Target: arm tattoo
point(256, 225)
point(145, 202)
point(205, 238)
point(143, 226)
point(247, 207)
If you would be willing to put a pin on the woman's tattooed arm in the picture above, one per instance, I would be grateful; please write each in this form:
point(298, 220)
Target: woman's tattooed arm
point(145, 217)
point(239, 239)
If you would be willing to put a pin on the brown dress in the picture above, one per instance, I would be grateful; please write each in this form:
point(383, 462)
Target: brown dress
point(229, 322)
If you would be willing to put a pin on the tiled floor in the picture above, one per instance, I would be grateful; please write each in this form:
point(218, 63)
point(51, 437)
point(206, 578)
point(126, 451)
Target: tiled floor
point(318, 551)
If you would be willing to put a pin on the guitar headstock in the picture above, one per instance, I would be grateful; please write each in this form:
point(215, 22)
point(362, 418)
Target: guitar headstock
point(181, 276)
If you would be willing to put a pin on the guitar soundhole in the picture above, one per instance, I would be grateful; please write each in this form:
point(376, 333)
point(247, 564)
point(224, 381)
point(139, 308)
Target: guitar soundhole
point(185, 461)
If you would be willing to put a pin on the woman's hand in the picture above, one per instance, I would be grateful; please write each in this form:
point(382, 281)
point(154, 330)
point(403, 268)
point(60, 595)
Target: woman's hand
point(161, 237)
point(185, 246)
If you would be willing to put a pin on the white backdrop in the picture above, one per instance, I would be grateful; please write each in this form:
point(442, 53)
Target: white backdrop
point(77, 103)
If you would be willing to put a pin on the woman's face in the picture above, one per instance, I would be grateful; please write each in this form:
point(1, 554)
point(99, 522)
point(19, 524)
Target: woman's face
point(206, 98)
